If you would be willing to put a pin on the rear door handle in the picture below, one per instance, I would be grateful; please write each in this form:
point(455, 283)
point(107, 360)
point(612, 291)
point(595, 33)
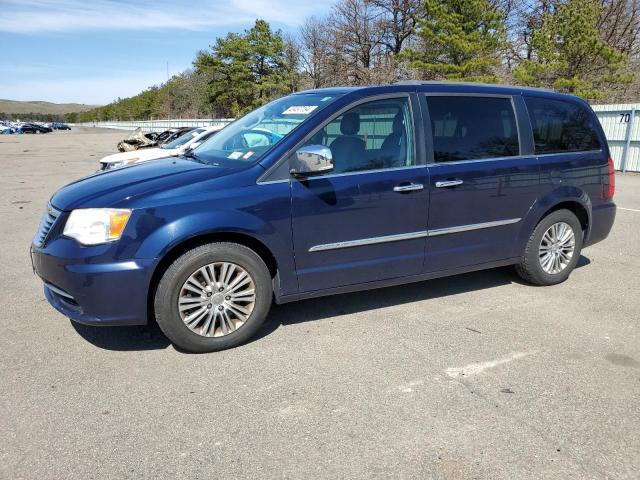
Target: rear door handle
point(408, 187)
point(449, 183)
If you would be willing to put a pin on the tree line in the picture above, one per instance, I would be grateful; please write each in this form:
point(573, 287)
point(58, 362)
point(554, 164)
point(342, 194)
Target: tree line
point(32, 117)
point(589, 48)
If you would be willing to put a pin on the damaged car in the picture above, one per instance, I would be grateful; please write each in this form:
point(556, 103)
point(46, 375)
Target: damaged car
point(138, 139)
point(174, 148)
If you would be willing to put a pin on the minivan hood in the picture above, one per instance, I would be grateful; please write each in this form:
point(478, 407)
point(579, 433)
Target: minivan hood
point(113, 188)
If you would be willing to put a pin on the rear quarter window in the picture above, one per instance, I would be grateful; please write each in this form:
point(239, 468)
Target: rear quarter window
point(560, 126)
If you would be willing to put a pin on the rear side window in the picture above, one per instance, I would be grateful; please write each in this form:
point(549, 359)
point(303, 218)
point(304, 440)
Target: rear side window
point(560, 126)
point(470, 128)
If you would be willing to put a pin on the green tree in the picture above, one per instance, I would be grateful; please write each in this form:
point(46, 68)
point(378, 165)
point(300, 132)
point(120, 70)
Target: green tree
point(459, 40)
point(245, 70)
point(569, 54)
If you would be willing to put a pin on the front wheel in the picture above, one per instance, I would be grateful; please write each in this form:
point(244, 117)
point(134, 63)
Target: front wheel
point(553, 249)
point(213, 297)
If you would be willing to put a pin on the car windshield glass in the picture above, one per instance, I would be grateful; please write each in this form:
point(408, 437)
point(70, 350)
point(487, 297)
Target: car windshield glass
point(182, 139)
point(248, 139)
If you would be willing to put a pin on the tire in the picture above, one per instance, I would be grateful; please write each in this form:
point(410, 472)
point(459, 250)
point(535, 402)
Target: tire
point(219, 334)
point(532, 270)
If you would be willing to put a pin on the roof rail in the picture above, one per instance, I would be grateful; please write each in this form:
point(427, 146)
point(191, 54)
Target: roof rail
point(468, 84)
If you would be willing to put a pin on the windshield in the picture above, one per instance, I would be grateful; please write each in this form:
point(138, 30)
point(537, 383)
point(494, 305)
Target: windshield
point(251, 137)
point(182, 139)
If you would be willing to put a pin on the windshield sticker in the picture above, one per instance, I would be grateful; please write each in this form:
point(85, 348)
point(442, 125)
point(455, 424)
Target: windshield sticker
point(247, 155)
point(299, 110)
point(235, 155)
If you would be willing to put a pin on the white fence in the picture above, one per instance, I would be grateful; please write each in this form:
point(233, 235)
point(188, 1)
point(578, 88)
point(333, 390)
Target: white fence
point(622, 129)
point(159, 125)
point(619, 121)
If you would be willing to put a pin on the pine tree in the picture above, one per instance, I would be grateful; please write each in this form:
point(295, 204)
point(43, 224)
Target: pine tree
point(245, 70)
point(460, 40)
point(569, 54)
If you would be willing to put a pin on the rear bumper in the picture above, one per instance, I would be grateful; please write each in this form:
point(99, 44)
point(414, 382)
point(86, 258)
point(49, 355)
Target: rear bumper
point(93, 293)
point(602, 218)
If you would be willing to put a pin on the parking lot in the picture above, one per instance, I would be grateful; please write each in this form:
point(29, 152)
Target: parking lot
point(471, 377)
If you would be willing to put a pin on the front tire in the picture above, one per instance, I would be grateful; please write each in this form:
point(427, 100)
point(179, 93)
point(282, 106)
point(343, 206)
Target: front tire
point(213, 297)
point(553, 250)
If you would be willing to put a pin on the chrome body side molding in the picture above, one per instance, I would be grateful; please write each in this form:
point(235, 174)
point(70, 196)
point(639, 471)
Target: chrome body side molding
point(412, 235)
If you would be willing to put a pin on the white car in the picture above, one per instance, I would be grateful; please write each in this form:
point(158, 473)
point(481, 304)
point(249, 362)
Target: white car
point(179, 146)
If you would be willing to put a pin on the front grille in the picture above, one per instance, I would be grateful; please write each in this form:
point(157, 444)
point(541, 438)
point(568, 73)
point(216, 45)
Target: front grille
point(47, 221)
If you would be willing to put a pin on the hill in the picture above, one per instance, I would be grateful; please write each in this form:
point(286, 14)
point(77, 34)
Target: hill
point(20, 107)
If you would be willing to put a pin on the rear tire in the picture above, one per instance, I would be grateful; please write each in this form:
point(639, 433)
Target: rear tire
point(553, 250)
point(198, 306)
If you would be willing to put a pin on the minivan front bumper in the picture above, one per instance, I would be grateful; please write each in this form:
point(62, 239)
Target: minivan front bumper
point(89, 291)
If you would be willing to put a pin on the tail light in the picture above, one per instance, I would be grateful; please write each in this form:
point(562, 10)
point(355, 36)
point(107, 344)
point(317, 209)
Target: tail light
point(612, 179)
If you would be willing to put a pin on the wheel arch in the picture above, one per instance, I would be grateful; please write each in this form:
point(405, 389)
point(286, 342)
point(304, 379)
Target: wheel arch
point(202, 239)
point(575, 207)
point(571, 198)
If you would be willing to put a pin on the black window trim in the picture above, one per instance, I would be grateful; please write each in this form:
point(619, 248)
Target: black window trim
point(418, 157)
point(427, 126)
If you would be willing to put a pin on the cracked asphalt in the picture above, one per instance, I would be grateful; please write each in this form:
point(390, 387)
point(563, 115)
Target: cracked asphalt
point(471, 377)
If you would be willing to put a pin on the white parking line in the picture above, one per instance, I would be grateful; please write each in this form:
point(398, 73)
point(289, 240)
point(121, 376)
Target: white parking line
point(629, 209)
point(474, 368)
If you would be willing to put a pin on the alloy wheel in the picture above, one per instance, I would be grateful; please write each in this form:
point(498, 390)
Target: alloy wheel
point(557, 247)
point(217, 299)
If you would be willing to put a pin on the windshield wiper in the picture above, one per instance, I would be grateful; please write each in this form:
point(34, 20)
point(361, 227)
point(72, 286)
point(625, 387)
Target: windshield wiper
point(190, 154)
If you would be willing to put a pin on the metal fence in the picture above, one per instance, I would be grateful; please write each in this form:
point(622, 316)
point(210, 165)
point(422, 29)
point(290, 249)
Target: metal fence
point(619, 121)
point(622, 129)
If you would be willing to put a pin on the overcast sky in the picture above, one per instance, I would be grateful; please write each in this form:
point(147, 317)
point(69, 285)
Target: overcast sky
point(93, 51)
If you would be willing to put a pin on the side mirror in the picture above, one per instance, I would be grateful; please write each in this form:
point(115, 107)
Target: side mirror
point(311, 160)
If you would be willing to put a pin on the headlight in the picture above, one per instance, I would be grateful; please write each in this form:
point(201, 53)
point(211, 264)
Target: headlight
point(92, 226)
point(121, 163)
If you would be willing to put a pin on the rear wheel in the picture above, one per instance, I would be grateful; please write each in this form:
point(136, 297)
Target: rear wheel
point(213, 297)
point(553, 249)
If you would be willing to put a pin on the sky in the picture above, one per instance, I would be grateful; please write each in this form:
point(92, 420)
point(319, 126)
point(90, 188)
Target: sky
point(94, 51)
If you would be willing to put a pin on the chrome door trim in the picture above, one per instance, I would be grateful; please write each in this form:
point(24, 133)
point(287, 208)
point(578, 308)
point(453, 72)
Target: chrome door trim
point(473, 226)
point(369, 241)
point(412, 235)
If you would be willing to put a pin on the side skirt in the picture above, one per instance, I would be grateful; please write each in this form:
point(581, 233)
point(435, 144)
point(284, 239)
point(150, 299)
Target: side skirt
point(390, 282)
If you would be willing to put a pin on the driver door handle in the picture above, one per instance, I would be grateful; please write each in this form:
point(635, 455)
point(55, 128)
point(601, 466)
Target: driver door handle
point(409, 187)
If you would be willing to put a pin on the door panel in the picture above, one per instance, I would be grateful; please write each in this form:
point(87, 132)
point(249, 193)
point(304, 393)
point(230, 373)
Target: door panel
point(493, 191)
point(367, 220)
point(361, 206)
point(482, 184)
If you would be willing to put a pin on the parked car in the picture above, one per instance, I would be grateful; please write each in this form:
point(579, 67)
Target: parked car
point(6, 128)
point(330, 191)
point(60, 126)
point(138, 139)
point(33, 128)
point(177, 147)
point(171, 134)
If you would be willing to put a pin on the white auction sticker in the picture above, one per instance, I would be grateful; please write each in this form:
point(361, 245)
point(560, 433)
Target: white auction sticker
point(235, 155)
point(300, 110)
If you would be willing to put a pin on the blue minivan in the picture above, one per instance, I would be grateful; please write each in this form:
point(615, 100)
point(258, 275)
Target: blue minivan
point(330, 191)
